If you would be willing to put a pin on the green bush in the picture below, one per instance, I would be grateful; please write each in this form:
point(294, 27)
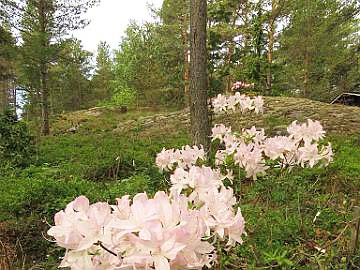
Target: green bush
point(16, 143)
point(169, 96)
point(124, 97)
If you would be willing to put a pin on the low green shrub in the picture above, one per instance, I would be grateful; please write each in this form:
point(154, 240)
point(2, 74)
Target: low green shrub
point(16, 143)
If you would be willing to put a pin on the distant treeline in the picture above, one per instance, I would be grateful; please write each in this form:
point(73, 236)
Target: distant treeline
point(284, 47)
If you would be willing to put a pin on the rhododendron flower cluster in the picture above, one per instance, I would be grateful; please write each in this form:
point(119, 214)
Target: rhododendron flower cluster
point(184, 158)
point(223, 103)
point(162, 233)
point(252, 150)
point(240, 85)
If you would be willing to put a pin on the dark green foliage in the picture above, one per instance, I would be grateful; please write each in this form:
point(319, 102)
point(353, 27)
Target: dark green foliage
point(69, 78)
point(315, 47)
point(111, 158)
point(16, 143)
point(103, 77)
point(8, 53)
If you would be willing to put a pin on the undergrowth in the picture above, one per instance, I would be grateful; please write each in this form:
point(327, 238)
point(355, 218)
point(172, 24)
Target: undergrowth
point(294, 221)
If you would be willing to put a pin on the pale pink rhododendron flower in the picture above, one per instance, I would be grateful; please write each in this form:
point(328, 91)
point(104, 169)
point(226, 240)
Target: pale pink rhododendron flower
point(255, 135)
point(246, 103)
point(160, 233)
point(327, 154)
point(220, 103)
point(278, 146)
point(231, 143)
point(81, 224)
point(199, 179)
point(258, 104)
point(219, 131)
point(220, 216)
point(232, 101)
point(220, 157)
point(185, 157)
point(249, 157)
point(309, 154)
point(308, 132)
point(223, 103)
point(252, 149)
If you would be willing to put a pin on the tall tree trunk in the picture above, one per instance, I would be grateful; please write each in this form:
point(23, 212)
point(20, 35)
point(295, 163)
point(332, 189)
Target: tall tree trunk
point(306, 73)
point(14, 95)
point(186, 72)
point(228, 78)
point(45, 43)
point(270, 59)
point(229, 54)
point(45, 127)
point(271, 38)
point(3, 96)
point(276, 7)
point(200, 125)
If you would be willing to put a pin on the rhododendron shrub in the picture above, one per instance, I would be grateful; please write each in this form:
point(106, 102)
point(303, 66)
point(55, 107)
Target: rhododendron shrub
point(142, 233)
point(254, 152)
point(251, 150)
point(178, 229)
point(169, 231)
point(223, 103)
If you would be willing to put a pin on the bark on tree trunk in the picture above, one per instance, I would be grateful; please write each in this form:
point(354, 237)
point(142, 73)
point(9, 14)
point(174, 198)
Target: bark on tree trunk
point(45, 43)
point(228, 62)
point(186, 75)
point(306, 74)
point(270, 56)
point(45, 127)
point(271, 39)
point(229, 54)
point(200, 125)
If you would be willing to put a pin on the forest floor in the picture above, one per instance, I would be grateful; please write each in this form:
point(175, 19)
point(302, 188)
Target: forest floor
point(103, 153)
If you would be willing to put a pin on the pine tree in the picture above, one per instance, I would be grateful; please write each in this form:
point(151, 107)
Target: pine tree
point(7, 69)
point(69, 79)
point(103, 77)
point(175, 17)
point(315, 42)
point(42, 24)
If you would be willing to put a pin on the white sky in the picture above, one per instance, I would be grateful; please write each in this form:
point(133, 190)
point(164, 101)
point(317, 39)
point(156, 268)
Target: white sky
point(110, 19)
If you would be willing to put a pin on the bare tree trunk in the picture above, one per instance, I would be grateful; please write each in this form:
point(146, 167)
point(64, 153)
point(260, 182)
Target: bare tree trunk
point(13, 94)
point(228, 78)
point(45, 127)
point(276, 7)
point(3, 98)
point(186, 74)
point(200, 125)
point(306, 74)
point(271, 33)
point(229, 54)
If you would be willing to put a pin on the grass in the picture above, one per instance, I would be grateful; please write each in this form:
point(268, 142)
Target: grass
point(103, 163)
